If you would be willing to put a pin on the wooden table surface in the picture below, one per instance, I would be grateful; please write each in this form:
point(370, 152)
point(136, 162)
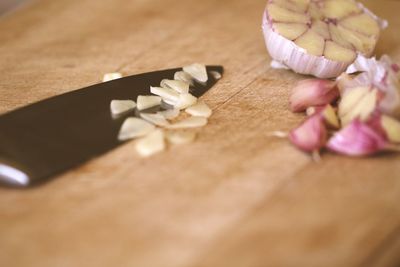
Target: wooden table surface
point(235, 197)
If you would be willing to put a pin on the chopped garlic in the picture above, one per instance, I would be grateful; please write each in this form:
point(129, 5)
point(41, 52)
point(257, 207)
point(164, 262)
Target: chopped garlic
point(197, 71)
point(179, 86)
point(169, 114)
point(183, 76)
point(121, 106)
point(156, 119)
point(167, 94)
point(191, 122)
point(151, 144)
point(180, 138)
point(185, 100)
point(134, 127)
point(200, 109)
point(147, 101)
point(111, 76)
point(216, 75)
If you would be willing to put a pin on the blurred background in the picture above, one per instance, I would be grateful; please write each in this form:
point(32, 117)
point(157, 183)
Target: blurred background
point(8, 5)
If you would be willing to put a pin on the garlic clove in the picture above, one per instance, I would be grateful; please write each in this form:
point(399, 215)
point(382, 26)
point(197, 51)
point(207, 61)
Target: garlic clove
point(339, 9)
point(357, 139)
point(191, 122)
point(197, 71)
point(311, 135)
point(283, 14)
point(313, 92)
point(180, 138)
point(328, 113)
point(363, 109)
point(321, 28)
point(362, 23)
point(121, 106)
point(335, 52)
point(290, 31)
point(150, 144)
point(199, 109)
point(330, 117)
point(338, 38)
point(177, 85)
point(156, 119)
point(392, 128)
point(312, 42)
point(361, 42)
point(133, 128)
point(111, 76)
point(380, 74)
point(147, 101)
point(350, 99)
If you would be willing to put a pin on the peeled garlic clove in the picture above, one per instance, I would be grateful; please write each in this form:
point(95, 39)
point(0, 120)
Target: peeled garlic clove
point(387, 126)
point(350, 99)
point(121, 106)
point(328, 113)
point(169, 114)
point(185, 101)
point(133, 128)
point(199, 109)
point(321, 38)
point(197, 71)
point(111, 76)
point(392, 128)
point(361, 109)
point(330, 117)
point(150, 144)
point(191, 122)
point(177, 85)
point(183, 76)
point(311, 135)
point(167, 94)
point(383, 75)
point(156, 119)
point(180, 138)
point(147, 101)
point(357, 139)
point(313, 92)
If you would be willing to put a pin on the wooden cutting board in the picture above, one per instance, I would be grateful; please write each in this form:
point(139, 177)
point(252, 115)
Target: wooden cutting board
point(235, 197)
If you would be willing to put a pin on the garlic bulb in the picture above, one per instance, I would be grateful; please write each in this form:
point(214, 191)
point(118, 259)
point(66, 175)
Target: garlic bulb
point(319, 37)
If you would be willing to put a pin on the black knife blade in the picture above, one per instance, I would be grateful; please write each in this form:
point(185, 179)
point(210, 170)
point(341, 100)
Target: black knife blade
point(46, 138)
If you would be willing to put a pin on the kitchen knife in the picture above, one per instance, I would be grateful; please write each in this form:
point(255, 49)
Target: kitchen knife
point(46, 138)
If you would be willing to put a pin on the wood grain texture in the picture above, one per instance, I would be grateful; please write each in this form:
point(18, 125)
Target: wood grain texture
point(235, 197)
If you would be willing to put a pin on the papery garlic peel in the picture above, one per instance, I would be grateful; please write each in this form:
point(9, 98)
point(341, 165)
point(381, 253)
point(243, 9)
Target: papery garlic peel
point(319, 37)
